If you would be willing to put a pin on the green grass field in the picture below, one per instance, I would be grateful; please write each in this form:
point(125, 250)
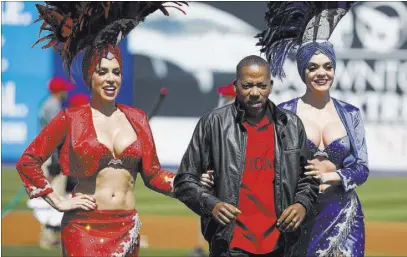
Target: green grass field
point(33, 251)
point(383, 199)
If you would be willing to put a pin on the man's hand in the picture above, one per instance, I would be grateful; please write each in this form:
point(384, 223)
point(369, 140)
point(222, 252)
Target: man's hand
point(291, 218)
point(225, 213)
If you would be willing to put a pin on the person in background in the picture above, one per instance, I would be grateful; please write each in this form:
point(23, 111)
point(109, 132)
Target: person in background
point(50, 218)
point(227, 94)
point(58, 89)
point(78, 100)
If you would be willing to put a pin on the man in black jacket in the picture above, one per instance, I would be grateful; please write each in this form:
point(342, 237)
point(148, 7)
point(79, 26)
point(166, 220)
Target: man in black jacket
point(260, 194)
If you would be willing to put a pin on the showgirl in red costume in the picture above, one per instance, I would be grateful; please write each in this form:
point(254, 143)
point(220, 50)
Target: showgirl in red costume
point(105, 144)
point(78, 100)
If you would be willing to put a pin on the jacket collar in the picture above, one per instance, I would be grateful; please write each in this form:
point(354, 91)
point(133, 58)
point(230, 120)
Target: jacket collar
point(273, 113)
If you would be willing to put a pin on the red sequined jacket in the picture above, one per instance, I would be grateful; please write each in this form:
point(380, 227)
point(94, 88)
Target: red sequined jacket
point(82, 155)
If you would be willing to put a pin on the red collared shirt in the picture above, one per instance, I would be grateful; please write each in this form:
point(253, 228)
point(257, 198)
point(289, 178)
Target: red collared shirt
point(255, 230)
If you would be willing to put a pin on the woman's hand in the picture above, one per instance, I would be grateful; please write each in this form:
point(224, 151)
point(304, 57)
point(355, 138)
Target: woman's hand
point(323, 187)
point(79, 201)
point(207, 179)
point(316, 167)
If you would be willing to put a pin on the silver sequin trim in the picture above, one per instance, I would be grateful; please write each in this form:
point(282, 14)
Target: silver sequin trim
point(33, 191)
point(348, 184)
point(322, 153)
point(134, 233)
point(336, 246)
point(113, 161)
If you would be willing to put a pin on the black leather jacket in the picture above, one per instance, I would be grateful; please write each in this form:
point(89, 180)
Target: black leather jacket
point(219, 143)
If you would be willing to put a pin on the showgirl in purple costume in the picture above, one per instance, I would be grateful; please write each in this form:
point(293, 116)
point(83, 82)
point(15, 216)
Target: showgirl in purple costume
point(337, 227)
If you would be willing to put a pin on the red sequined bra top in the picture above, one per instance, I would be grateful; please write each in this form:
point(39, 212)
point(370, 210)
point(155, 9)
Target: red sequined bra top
point(82, 155)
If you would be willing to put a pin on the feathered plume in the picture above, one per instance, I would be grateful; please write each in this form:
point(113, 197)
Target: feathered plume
point(290, 24)
point(75, 26)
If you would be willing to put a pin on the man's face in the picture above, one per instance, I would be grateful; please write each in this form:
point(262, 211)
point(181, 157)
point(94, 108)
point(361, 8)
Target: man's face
point(253, 88)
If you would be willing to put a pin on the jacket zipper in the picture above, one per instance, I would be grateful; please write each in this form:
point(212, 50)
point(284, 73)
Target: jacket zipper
point(276, 178)
point(280, 174)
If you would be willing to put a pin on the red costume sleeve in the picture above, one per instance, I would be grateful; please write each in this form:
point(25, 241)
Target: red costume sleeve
point(153, 175)
point(30, 162)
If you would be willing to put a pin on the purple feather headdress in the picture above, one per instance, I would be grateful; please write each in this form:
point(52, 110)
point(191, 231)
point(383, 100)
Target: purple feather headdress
point(292, 24)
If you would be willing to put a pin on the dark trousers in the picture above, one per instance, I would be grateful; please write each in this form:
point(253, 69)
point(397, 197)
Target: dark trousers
point(236, 252)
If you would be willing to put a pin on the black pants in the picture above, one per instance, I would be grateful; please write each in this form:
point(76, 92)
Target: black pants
point(236, 252)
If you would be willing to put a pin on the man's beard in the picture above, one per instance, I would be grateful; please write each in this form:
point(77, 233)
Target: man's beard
point(251, 111)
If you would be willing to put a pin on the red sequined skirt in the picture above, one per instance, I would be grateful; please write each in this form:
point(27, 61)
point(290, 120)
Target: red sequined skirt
point(101, 233)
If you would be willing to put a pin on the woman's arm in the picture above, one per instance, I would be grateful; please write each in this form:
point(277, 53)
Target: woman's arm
point(153, 175)
point(30, 162)
point(29, 167)
point(53, 199)
point(356, 173)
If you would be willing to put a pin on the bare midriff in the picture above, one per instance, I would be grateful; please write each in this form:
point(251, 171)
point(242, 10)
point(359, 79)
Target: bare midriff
point(113, 188)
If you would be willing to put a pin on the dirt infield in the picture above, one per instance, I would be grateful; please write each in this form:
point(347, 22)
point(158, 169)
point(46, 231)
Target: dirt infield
point(21, 228)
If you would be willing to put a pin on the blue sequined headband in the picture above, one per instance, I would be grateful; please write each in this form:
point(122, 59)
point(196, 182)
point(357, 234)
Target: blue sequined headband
point(306, 51)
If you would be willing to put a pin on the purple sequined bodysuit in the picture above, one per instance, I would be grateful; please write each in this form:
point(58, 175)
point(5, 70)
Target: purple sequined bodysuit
point(337, 225)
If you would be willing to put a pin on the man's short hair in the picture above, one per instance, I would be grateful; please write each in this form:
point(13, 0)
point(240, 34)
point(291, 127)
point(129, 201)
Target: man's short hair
point(249, 61)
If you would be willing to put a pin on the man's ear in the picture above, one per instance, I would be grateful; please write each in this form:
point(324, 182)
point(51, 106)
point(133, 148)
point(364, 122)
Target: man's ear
point(234, 84)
